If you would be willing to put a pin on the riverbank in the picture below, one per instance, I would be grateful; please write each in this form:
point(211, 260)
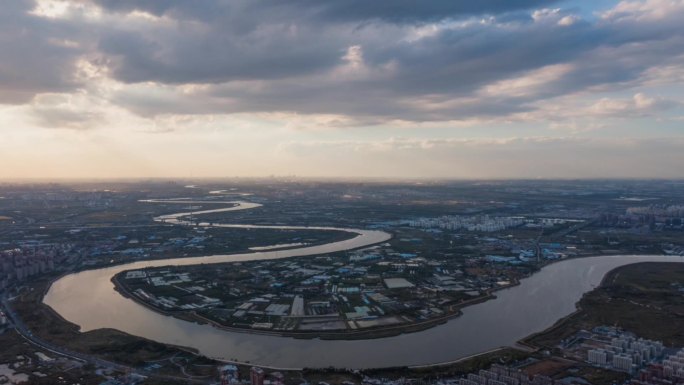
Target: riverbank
point(347, 334)
point(55, 319)
point(126, 349)
point(88, 299)
point(132, 350)
point(109, 344)
point(454, 311)
point(467, 334)
point(643, 298)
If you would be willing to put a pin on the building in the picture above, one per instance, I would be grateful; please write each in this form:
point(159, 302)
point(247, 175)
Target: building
point(229, 374)
point(626, 353)
point(477, 379)
point(397, 283)
point(598, 357)
point(297, 306)
point(257, 376)
point(673, 366)
point(623, 362)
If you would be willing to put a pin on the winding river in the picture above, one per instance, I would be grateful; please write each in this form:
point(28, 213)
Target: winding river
point(89, 300)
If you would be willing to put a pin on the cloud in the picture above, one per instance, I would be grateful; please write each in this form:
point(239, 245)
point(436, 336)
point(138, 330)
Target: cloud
point(459, 70)
point(361, 62)
point(36, 55)
point(328, 11)
point(56, 117)
point(638, 106)
point(65, 111)
point(648, 10)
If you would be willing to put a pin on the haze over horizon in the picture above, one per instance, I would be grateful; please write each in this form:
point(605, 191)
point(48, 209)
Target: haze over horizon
point(398, 89)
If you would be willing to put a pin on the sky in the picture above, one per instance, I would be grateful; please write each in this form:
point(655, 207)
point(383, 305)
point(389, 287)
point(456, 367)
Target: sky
point(342, 88)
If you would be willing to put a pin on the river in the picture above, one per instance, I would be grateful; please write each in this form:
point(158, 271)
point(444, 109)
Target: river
point(89, 300)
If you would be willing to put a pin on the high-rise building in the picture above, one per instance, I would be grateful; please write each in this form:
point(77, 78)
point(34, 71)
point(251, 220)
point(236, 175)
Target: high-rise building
point(598, 356)
point(257, 376)
point(623, 362)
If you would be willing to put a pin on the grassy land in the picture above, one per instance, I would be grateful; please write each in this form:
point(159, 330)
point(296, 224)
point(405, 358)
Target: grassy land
point(600, 376)
point(21, 355)
point(644, 298)
point(338, 376)
point(106, 343)
point(560, 368)
point(483, 361)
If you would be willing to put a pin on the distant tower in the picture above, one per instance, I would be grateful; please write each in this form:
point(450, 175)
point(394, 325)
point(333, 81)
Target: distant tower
point(257, 376)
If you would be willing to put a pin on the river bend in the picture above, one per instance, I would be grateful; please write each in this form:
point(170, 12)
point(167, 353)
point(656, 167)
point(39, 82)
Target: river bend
point(89, 300)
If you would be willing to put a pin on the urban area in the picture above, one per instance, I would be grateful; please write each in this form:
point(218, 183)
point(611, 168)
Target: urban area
point(452, 245)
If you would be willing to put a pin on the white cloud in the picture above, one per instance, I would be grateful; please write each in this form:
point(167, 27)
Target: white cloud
point(545, 14)
point(569, 20)
point(638, 105)
point(529, 84)
point(648, 10)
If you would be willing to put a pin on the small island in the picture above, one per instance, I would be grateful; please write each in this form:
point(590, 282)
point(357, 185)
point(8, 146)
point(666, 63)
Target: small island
point(368, 293)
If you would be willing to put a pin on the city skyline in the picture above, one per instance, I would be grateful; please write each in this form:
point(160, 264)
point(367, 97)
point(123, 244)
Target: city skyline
point(526, 89)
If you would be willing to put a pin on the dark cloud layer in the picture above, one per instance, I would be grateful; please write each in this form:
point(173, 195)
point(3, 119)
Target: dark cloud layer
point(332, 10)
point(368, 60)
point(35, 56)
